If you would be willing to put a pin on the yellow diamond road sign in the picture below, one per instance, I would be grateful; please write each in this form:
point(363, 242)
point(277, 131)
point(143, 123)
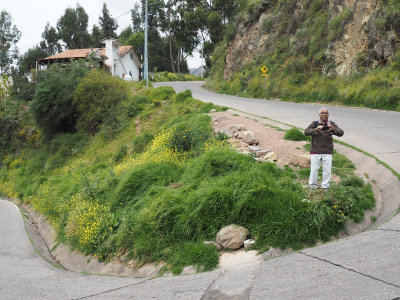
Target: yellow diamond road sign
point(264, 69)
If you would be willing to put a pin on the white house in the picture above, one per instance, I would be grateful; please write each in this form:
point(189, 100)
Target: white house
point(120, 59)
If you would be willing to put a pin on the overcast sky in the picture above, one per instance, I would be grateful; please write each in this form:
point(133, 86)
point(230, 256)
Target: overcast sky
point(31, 17)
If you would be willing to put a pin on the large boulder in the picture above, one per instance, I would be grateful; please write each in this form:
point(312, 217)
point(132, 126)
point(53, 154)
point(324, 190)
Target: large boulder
point(232, 236)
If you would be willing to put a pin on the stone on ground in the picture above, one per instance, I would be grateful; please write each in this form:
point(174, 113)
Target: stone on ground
point(232, 236)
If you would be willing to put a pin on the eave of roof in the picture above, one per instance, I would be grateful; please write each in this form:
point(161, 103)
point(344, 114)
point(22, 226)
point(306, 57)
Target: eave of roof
point(83, 53)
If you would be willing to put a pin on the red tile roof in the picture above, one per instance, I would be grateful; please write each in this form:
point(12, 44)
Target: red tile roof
point(83, 53)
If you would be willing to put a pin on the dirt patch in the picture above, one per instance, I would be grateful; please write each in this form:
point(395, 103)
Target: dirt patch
point(269, 138)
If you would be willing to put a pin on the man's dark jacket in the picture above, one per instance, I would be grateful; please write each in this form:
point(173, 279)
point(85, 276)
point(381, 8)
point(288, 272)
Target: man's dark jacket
point(321, 140)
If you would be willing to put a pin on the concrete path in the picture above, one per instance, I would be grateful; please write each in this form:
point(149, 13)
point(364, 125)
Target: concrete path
point(363, 266)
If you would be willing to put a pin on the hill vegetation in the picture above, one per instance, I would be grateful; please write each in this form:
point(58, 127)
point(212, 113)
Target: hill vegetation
point(138, 174)
point(342, 52)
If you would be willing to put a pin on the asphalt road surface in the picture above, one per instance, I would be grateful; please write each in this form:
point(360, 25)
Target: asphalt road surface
point(374, 131)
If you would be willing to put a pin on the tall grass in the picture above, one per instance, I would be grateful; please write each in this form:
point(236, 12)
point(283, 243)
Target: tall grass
point(158, 195)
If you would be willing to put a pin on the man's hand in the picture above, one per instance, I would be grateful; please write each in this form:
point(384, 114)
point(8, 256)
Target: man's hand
point(319, 127)
point(330, 127)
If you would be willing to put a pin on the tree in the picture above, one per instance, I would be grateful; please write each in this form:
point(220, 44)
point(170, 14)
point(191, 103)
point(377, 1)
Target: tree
point(96, 37)
point(52, 105)
point(108, 25)
point(27, 62)
point(125, 34)
point(9, 37)
point(137, 18)
point(50, 42)
point(72, 28)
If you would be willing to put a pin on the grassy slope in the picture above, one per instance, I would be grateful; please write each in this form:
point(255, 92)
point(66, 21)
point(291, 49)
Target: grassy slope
point(157, 195)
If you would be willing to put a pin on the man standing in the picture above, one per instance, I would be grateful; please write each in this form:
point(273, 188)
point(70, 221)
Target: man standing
point(321, 132)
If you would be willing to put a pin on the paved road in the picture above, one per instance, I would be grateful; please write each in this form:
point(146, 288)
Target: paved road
point(374, 131)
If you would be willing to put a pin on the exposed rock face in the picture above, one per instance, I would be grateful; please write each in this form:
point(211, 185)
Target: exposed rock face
point(360, 41)
point(232, 236)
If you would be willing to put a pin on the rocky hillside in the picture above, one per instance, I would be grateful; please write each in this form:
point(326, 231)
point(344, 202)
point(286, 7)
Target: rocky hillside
point(325, 37)
point(358, 39)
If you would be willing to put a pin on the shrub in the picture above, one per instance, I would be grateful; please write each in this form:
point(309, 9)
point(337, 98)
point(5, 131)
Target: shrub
point(121, 153)
point(207, 107)
point(12, 116)
point(349, 200)
point(294, 134)
point(190, 134)
point(182, 96)
point(161, 93)
point(141, 141)
point(88, 223)
point(52, 106)
point(172, 76)
point(141, 178)
point(134, 109)
point(96, 97)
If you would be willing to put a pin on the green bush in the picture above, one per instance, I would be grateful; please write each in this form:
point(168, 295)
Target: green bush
point(52, 106)
point(121, 153)
point(137, 105)
point(96, 98)
point(140, 179)
point(11, 122)
point(294, 134)
point(172, 76)
point(190, 134)
point(161, 93)
point(349, 200)
point(182, 96)
point(207, 107)
point(141, 141)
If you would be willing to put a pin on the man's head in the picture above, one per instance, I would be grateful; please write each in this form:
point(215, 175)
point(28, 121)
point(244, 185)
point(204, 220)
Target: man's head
point(323, 114)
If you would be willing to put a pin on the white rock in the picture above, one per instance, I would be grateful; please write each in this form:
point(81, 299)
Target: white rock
point(248, 243)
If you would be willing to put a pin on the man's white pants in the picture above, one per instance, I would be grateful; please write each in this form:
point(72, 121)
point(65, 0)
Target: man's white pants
point(316, 161)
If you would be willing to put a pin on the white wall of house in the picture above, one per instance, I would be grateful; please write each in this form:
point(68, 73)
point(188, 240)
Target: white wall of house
point(127, 63)
point(121, 65)
point(112, 46)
